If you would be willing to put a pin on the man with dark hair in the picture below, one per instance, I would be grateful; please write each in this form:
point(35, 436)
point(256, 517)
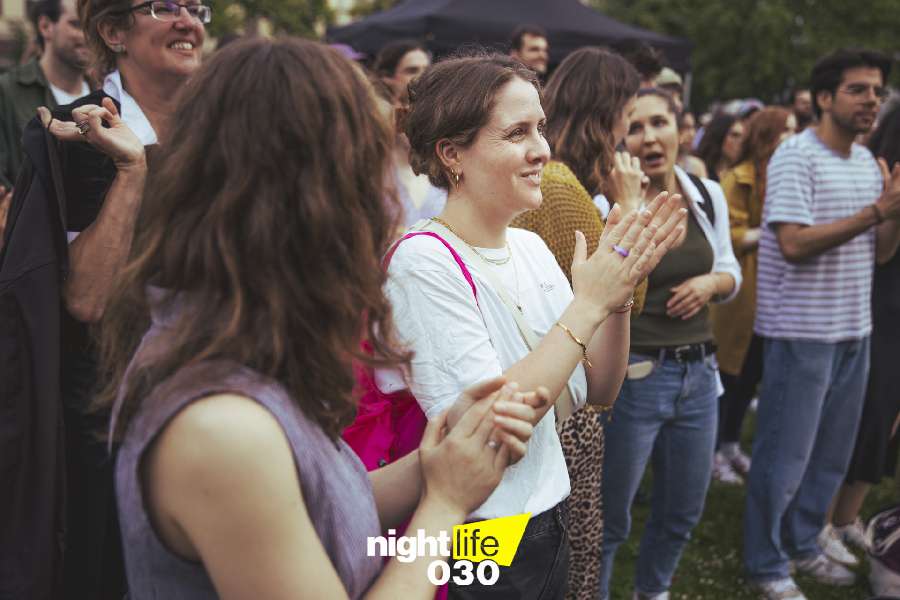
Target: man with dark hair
point(800, 102)
point(56, 78)
point(643, 57)
point(528, 45)
point(831, 211)
point(398, 63)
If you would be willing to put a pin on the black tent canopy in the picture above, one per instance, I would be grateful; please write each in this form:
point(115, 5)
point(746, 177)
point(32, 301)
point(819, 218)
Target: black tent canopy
point(445, 25)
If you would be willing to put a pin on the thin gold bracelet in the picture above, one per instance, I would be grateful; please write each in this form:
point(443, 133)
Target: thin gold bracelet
point(577, 341)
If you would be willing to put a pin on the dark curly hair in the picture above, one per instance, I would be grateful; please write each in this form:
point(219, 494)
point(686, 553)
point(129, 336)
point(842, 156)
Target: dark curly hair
point(452, 100)
point(269, 213)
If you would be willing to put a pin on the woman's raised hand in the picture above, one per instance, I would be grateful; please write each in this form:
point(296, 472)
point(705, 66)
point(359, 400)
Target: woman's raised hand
point(103, 128)
point(625, 184)
point(628, 250)
point(463, 465)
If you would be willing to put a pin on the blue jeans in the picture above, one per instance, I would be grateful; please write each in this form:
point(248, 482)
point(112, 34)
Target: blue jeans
point(668, 417)
point(809, 409)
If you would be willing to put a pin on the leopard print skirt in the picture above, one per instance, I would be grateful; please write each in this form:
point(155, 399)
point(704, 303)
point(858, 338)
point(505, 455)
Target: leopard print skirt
point(581, 437)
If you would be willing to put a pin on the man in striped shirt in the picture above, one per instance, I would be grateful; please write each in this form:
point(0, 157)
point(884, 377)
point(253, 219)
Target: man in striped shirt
point(831, 211)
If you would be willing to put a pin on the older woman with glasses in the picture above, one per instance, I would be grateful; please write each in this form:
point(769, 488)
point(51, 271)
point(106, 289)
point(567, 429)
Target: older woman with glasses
point(145, 52)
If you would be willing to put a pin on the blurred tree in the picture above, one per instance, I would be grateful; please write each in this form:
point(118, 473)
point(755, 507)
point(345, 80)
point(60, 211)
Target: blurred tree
point(761, 48)
point(305, 18)
point(364, 8)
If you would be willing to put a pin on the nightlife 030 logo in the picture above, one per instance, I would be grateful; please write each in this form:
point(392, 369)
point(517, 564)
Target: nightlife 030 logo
point(476, 551)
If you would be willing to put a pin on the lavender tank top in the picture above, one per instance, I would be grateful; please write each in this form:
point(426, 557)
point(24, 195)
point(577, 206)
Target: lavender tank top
point(335, 486)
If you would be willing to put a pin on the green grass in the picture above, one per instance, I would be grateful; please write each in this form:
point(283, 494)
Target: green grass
point(711, 567)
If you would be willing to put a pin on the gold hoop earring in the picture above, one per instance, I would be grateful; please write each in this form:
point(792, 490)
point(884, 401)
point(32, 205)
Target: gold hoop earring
point(456, 177)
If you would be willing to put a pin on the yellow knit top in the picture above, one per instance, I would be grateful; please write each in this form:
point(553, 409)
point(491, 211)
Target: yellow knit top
point(567, 207)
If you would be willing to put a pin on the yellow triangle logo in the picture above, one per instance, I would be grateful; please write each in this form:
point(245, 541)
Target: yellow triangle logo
point(493, 539)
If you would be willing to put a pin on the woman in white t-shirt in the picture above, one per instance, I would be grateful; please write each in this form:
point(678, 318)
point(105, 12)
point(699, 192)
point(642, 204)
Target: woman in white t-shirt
point(475, 127)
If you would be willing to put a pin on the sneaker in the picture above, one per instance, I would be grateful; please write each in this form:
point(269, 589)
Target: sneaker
point(723, 472)
point(824, 570)
point(853, 534)
point(639, 596)
point(833, 547)
point(740, 462)
point(780, 589)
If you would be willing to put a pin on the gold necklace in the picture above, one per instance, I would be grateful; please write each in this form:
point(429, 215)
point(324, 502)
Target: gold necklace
point(493, 261)
point(498, 262)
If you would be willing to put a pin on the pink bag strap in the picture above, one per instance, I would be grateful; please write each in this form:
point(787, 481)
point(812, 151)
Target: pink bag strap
point(459, 261)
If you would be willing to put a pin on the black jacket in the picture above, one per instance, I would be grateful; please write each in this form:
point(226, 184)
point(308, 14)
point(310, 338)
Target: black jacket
point(50, 197)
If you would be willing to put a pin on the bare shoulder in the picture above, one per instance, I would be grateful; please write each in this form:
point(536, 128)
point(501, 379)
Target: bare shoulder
point(217, 445)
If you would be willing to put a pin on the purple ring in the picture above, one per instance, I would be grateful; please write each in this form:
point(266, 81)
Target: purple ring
point(620, 250)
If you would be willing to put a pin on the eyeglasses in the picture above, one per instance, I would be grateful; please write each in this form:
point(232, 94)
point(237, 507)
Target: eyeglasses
point(164, 10)
point(861, 89)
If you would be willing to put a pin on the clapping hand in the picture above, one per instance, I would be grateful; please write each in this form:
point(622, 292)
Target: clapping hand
point(629, 249)
point(462, 465)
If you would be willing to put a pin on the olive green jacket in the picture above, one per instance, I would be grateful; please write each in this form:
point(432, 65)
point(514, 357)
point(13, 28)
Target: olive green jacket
point(22, 89)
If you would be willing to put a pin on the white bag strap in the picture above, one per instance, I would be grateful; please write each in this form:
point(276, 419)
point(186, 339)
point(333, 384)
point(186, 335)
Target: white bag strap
point(565, 404)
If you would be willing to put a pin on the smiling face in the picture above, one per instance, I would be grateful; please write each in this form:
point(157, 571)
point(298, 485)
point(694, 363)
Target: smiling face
point(502, 167)
point(854, 106)
point(653, 136)
point(160, 50)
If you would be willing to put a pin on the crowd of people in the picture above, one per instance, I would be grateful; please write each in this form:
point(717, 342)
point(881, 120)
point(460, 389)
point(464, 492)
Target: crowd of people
point(262, 306)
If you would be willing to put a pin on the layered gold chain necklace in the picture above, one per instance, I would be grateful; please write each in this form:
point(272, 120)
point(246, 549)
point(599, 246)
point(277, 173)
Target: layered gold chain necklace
point(492, 261)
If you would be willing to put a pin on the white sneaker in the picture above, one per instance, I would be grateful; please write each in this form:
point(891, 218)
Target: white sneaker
point(853, 534)
point(780, 589)
point(831, 544)
point(639, 596)
point(724, 472)
point(824, 570)
point(739, 461)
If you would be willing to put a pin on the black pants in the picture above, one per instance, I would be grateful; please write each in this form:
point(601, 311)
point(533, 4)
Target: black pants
point(541, 566)
point(94, 566)
point(739, 391)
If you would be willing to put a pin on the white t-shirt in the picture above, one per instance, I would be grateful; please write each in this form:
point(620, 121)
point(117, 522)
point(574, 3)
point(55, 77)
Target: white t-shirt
point(63, 97)
point(458, 343)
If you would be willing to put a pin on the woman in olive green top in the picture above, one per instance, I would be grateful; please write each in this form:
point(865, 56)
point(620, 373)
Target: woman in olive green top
point(667, 409)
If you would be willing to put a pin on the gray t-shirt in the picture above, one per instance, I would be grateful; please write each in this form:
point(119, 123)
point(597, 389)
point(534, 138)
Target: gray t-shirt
point(825, 298)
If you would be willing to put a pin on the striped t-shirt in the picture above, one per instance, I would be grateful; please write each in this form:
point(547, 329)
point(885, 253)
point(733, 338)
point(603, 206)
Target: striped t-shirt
point(825, 298)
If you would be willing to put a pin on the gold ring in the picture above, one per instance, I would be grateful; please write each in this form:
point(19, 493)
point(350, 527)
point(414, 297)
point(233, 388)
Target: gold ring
point(83, 127)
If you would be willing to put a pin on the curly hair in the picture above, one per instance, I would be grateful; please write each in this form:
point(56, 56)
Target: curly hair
point(453, 100)
point(269, 212)
point(583, 100)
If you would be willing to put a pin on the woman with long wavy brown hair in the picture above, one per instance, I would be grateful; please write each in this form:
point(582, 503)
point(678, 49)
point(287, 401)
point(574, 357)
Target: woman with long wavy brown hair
point(739, 350)
point(257, 267)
